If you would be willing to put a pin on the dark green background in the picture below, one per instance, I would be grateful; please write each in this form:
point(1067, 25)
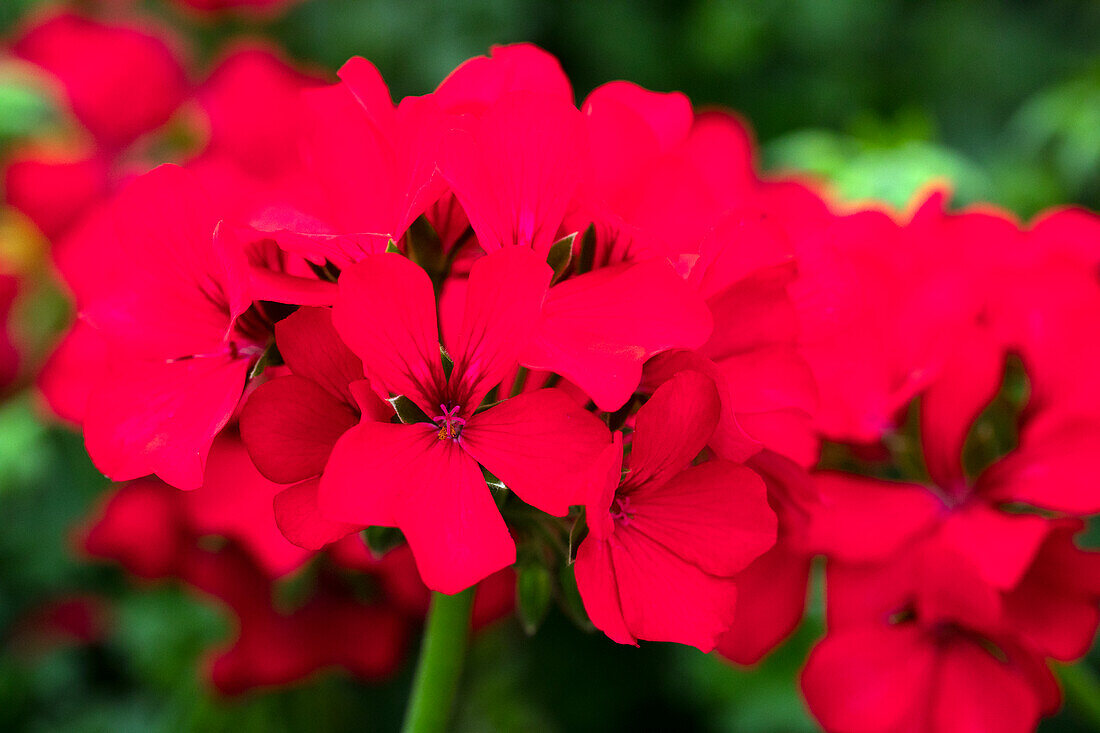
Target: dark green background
point(878, 96)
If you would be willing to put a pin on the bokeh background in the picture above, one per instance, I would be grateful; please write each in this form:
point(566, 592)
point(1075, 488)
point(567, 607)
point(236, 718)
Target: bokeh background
point(875, 97)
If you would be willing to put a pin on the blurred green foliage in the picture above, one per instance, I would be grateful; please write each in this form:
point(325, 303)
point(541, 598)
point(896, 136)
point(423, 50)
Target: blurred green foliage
point(875, 96)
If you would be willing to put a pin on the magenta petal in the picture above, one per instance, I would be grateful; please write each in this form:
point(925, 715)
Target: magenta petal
point(72, 371)
point(949, 406)
point(290, 426)
point(869, 679)
point(669, 116)
point(772, 597)
point(665, 598)
point(541, 444)
point(976, 691)
point(371, 467)
point(300, 519)
point(849, 524)
point(503, 298)
point(235, 501)
point(364, 81)
point(480, 81)
point(599, 590)
point(1000, 546)
point(376, 165)
point(161, 418)
point(451, 521)
point(183, 294)
point(673, 427)
point(279, 287)
point(715, 516)
point(404, 476)
point(604, 480)
point(1054, 468)
point(729, 441)
point(515, 169)
point(311, 347)
point(598, 329)
point(386, 315)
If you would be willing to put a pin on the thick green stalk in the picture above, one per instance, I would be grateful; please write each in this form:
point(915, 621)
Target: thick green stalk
point(442, 654)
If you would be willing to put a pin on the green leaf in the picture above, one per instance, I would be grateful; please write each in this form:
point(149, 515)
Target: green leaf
point(533, 593)
point(24, 109)
point(391, 248)
point(408, 411)
point(381, 540)
point(560, 255)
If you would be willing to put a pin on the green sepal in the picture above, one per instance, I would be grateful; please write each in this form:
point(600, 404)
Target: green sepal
point(381, 540)
point(570, 599)
point(534, 590)
point(577, 534)
point(408, 411)
point(424, 246)
point(586, 256)
point(270, 357)
point(560, 255)
point(392, 248)
point(448, 362)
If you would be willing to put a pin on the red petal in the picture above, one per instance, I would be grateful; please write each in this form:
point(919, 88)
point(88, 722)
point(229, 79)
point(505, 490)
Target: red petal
point(515, 169)
point(974, 691)
point(863, 519)
point(311, 347)
point(598, 329)
point(772, 597)
point(1001, 546)
point(235, 501)
point(290, 426)
point(371, 466)
point(541, 444)
point(672, 428)
point(300, 519)
point(503, 298)
point(599, 590)
point(404, 476)
point(869, 679)
point(148, 417)
point(386, 315)
point(1053, 468)
point(451, 521)
point(482, 80)
point(715, 516)
point(949, 406)
point(665, 598)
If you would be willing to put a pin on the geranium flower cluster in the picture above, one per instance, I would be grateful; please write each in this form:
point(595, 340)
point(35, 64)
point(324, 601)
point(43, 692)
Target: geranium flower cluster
point(591, 343)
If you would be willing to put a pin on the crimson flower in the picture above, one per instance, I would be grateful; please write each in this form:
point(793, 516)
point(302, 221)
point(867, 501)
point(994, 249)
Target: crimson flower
point(424, 477)
point(665, 541)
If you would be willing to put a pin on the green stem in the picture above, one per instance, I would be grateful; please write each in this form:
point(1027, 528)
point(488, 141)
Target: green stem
point(441, 656)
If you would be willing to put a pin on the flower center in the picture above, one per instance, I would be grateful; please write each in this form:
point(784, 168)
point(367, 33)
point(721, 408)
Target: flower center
point(620, 510)
point(450, 424)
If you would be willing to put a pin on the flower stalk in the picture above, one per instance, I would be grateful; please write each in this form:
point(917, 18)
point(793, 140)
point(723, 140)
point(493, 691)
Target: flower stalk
point(446, 637)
